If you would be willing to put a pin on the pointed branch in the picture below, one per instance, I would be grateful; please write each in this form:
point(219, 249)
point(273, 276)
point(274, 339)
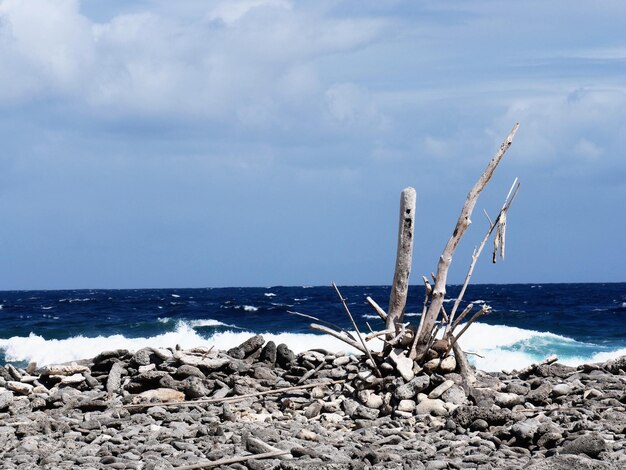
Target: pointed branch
point(377, 308)
point(420, 344)
point(339, 336)
point(356, 328)
point(477, 251)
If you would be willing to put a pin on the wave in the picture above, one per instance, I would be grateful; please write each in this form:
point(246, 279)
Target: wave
point(508, 348)
point(209, 322)
point(269, 294)
point(500, 347)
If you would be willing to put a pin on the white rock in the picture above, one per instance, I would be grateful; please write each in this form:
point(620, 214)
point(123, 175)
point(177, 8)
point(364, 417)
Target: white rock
point(307, 435)
point(561, 389)
point(448, 365)
point(161, 394)
point(404, 365)
point(332, 418)
point(63, 369)
point(73, 379)
point(147, 368)
point(440, 389)
point(19, 387)
point(431, 407)
point(341, 361)
point(407, 406)
point(432, 365)
point(508, 400)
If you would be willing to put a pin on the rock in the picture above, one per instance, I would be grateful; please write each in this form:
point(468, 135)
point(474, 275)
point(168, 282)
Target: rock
point(539, 396)
point(263, 373)
point(19, 387)
point(284, 356)
point(589, 444)
point(403, 364)
point(268, 354)
point(407, 406)
point(412, 388)
point(448, 365)
point(74, 379)
point(114, 381)
point(561, 389)
point(525, 431)
point(341, 361)
point(6, 398)
point(193, 387)
point(307, 435)
point(63, 369)
point(429, 406)
point(208, 363)
point(569, 462)
point(483, 397)
point(142, 357)
point(161, 395)
point(508, 400)
point(247, 347)
point(440, 389)
point(187, 370)
point(479, 425)
point(313, 410)
point(465, 415)
point(257, 446)
point(454, 395)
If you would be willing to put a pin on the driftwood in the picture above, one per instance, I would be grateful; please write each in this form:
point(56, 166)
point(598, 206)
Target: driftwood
point(404, 256)
point(229, 460)
point(435, 336)
point(234, 398)
point(422, 339)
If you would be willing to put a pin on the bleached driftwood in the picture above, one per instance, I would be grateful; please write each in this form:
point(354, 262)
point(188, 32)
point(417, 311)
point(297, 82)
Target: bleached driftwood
point(356, 329)
point(237, 459)
point(400, 286)
point(423, 337)
point(451, 324)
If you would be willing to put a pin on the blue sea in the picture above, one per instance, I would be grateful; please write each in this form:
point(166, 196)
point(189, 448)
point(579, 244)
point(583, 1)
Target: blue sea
point(577, 322)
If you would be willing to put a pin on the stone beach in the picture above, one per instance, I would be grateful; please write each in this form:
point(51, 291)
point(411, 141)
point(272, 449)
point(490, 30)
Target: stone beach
point(168, 408)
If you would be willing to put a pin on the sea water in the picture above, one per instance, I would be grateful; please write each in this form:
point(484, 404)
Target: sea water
point(577, 322)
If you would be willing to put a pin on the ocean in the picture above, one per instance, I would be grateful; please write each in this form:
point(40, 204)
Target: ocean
point(577, 322)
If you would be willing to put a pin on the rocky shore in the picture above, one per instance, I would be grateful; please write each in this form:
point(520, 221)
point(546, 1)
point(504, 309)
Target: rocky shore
point(260, 406)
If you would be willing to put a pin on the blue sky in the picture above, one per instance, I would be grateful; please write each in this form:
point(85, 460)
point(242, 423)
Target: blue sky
point(264, 142)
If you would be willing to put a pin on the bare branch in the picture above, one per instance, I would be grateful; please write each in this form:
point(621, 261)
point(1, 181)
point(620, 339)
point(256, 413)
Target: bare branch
point(477, 252)
point(420, 344)
point(339, 336)
point(377, 308)
point(356, 328)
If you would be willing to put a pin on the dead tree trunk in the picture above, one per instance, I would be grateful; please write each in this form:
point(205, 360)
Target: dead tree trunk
point(404, 256)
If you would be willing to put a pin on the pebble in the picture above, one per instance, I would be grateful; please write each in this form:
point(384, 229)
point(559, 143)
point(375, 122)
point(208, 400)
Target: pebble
point(72, 416)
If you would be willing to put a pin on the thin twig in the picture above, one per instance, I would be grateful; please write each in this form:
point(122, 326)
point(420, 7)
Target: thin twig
point(356, 328)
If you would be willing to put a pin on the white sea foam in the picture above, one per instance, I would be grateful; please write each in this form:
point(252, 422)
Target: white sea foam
point(269, 294)
point(249, 308)
point(176, 296)
point(502, 347)
point(164, 319)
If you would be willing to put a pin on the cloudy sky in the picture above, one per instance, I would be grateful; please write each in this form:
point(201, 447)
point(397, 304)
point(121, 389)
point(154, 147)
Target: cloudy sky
point(152, 143)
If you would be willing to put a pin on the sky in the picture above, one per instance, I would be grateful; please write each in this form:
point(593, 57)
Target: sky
point(266, 142)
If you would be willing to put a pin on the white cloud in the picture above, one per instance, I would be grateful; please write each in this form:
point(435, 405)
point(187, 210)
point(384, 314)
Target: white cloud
point(572, 128)
point(237, 61)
